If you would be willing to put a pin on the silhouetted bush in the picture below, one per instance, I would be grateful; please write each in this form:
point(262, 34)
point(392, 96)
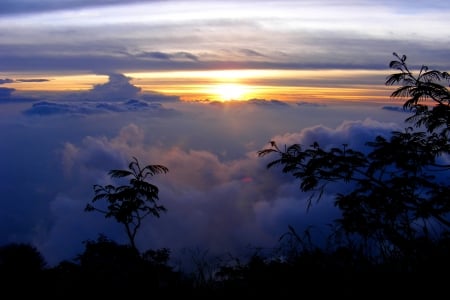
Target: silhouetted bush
point(21, 259)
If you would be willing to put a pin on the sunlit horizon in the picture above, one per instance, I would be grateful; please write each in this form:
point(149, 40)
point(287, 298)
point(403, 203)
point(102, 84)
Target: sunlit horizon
point(226, 85)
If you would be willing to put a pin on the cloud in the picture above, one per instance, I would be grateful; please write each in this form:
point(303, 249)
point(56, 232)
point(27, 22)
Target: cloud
point(116, 95)
point(273, 103)
point(396, 108)
point(186, 55)
point(235, 34)
point(168, 56)
point(306, 103)
point(88, 108)
point(352, 133)
point(120, 88)
point(6, 92)
point(32, 80)
point(6, 80)
point(158, 97)
point(267, 102)
point(251, 52)
point(8, 95)
point(219, 194)
point(117, 88)
point(11, 7)
point(213, 204)
point(156, 55)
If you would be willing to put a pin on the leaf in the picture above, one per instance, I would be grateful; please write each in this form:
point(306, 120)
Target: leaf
point(119, 173)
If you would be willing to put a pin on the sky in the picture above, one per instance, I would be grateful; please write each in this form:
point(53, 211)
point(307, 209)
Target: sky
point(200, 87)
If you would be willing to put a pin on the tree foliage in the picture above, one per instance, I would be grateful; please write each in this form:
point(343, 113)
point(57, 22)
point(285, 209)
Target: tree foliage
point(130, 204)
point(422, 90)
point(21, 259)
point(400, 195)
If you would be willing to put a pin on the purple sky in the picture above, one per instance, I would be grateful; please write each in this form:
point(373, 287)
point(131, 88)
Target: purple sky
point(219, 195)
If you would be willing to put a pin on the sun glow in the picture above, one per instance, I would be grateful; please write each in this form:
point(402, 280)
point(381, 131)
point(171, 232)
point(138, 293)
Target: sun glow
point(225, 85)
point(284, 85)
point(230, 91)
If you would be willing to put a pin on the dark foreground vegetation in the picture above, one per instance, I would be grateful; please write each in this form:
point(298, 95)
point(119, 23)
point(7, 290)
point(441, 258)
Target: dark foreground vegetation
point(392, 238)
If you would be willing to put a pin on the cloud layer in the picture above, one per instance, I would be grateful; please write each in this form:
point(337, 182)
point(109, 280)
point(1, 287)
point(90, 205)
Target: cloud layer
point(220, 196)
point(200, 35)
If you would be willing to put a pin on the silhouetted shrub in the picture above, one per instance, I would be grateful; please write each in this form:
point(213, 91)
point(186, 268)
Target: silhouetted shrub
point(21, 258)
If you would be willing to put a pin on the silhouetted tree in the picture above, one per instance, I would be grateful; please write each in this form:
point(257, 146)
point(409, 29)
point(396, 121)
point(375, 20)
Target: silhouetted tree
point(130, 204)
point(421, 91)
point(399, 197)
point(22, 270)
point(106, 265)
point(108, 268)
point(21, 258)
point(104, 254)
point(158, 257)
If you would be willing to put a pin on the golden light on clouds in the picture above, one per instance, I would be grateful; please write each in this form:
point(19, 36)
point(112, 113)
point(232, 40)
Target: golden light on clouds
point(57, 83)
point(213, 85)
point(226, 85)
point(286, 85)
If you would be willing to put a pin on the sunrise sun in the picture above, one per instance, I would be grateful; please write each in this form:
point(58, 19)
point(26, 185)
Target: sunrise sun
point(230, 91)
